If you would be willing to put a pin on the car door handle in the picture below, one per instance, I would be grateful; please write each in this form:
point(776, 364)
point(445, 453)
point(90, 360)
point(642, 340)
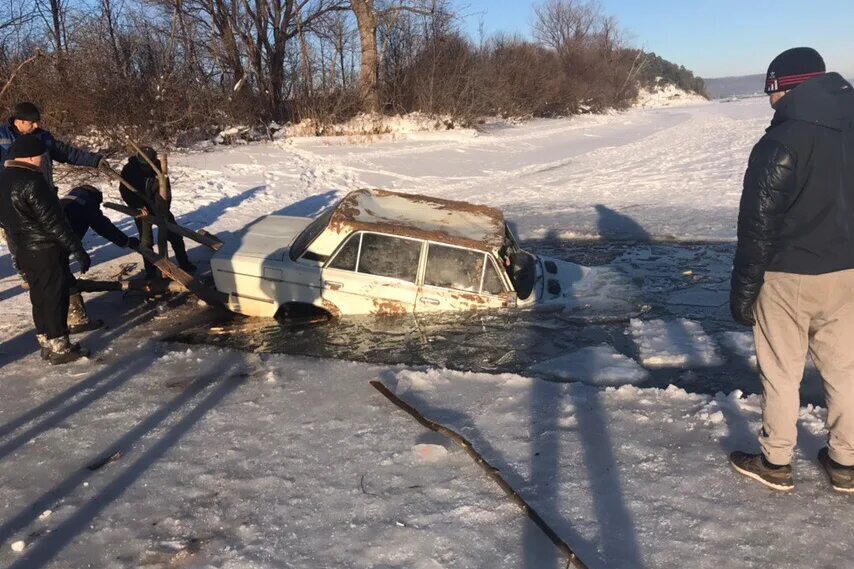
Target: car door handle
point(432, 301)
point(333, 285)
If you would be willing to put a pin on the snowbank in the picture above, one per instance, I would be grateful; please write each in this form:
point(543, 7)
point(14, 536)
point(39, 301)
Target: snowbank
point(667, 96)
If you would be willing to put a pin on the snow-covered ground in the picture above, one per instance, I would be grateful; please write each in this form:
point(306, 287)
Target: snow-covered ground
point(163, 455)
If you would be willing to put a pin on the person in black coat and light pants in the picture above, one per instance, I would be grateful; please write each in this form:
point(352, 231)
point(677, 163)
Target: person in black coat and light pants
point(793, 275)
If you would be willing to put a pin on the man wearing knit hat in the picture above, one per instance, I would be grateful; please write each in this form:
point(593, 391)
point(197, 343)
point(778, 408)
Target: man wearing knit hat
point(43, 239)
point(793, 275)
point(26, 119)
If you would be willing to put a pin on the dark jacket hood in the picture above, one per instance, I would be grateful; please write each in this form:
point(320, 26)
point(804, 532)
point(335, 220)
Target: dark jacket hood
point(826, 101)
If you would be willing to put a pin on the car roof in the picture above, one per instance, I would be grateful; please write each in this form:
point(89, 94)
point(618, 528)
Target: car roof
point(420, 217)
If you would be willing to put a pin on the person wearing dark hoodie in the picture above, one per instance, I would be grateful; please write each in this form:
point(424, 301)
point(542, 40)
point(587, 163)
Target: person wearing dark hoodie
point(142, 177)
point(793, 275)
point(43, 239)
point(82, 207)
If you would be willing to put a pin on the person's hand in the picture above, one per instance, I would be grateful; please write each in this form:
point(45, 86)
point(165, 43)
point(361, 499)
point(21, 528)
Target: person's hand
point(133, 243)
point(82, 258)
point(742, 312)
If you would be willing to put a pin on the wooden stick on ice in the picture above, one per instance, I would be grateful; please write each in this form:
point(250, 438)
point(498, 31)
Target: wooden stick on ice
point(490, 470)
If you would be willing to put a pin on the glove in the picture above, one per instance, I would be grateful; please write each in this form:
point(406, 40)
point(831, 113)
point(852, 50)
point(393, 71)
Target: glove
point(133, 243)
point(83, 260)
point(742, 311)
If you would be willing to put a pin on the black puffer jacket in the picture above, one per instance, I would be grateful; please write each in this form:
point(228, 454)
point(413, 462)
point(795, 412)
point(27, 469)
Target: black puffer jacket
point(30, 211)
point(797, 207)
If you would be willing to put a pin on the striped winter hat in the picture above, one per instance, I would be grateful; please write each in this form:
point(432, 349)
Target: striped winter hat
point(793, 67)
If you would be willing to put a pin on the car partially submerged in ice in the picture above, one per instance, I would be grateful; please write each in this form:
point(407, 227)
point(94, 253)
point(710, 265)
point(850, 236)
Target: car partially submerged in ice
point(381, 252)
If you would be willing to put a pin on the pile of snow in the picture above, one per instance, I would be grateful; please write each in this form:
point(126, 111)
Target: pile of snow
point(667, 96)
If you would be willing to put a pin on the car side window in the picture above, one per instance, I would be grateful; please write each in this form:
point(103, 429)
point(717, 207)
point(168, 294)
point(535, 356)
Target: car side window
point(348, 255)
point(388, 256)
point(450, 267)
point(491, 281)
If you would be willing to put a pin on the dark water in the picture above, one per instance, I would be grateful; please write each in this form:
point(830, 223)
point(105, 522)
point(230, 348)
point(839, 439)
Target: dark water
point(661, 280)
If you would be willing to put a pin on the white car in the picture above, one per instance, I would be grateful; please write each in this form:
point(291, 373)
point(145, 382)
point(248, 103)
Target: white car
point(380, 252)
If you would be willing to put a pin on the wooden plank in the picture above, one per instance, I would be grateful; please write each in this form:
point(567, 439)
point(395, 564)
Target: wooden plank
point(491, 471)
point(174, 272)
point(203, 237)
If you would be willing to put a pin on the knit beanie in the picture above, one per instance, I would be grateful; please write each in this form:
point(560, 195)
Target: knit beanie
point(793, 67)
point(27, 146)
point(26, 112)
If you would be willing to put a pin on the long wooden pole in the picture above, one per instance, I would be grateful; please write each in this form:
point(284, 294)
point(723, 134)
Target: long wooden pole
point(490, 470)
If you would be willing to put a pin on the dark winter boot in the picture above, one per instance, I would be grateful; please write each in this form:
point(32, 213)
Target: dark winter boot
point(61, 351)
point(757, 467)
point(42, 340)
point(841, 476)
point(78, 319)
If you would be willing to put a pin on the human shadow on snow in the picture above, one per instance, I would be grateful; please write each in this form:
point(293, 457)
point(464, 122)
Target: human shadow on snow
point(207, 393)
point(539, 552)
point(613, 225)
point(57, 409)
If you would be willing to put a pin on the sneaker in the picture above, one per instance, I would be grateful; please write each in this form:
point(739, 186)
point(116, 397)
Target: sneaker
point(841, 476)
point(61, 351)
point(757, 467)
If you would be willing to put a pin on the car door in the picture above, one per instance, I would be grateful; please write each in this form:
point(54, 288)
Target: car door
point(459, 279)
point(373, 273)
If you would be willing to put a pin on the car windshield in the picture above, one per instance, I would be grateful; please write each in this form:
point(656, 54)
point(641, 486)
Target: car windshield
point(310, 233)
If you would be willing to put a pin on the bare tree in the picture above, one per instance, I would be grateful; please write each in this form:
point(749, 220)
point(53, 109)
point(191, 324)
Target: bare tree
point(369, 14)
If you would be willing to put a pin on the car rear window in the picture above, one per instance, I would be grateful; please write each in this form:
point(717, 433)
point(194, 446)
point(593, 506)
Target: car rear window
point(388, 256)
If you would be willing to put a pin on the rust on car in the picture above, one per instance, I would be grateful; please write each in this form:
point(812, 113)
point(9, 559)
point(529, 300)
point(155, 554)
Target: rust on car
point(330, 308)
point(390, 308)
point(346, 220)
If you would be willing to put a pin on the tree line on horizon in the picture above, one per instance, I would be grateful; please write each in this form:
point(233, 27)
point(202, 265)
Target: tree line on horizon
point(163, 67)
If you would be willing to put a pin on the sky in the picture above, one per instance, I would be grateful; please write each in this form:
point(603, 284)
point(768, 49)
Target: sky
point(712, 38)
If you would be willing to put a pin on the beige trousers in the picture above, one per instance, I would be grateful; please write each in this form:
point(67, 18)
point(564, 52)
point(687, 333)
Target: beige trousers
point(796, 314)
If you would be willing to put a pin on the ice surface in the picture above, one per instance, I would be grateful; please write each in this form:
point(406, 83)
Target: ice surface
point(674, 343)
point(597, 365)
point(251, 461)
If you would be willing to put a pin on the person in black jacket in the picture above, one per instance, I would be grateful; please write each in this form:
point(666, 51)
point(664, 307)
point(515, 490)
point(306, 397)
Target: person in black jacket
point(43, 239)
point(82, 207)
point(139, 174)
point(793, 275)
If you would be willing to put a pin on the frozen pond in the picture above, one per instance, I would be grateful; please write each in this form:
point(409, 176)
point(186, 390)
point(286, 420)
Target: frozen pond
point(667, 324)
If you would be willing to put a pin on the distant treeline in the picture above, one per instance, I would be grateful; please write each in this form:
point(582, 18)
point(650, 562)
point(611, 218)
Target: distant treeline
point(659, 69)
point(160, 68)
